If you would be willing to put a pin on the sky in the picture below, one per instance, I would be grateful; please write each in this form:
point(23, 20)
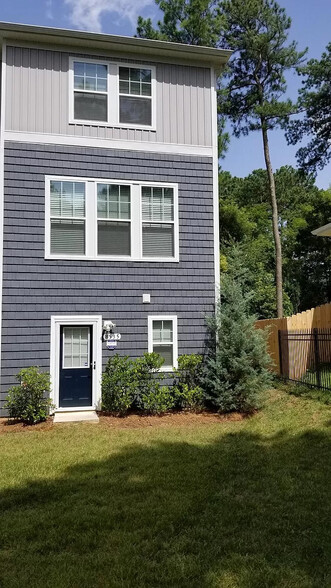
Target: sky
point(310, 28)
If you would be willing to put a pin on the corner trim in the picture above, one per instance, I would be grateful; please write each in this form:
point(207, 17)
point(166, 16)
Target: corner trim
point(215, 184)
point(2, 188)
point(145, 146)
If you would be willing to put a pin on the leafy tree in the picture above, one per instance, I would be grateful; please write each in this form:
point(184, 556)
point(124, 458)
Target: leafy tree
point(236, 362)
point(246, 219)
point(251, 96)
point(194, 22)
point(315, 101)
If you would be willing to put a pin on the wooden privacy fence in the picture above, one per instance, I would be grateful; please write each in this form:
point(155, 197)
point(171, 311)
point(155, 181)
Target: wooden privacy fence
point(315, 318)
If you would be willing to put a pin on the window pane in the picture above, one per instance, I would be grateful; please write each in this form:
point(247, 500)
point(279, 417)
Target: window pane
point(146, 75)
point(158, 240)
point(146, 89)
point(114, 238)
point(68, 237)
point(114, 201)
point(67, 199)
point(157, 204)
point(166, 351)
point(76, 347)
point(135, 88)
point(124, 73)
point(162, 331)
point(124, 87)
point(102, 85)
point(90, 107)
point(135, 110)
point(91, 69)
point(79, 68)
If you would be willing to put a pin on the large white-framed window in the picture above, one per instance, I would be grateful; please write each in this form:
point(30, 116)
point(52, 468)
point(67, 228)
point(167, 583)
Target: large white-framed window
point(111, 93)
point(162, 339)
point(91, 218)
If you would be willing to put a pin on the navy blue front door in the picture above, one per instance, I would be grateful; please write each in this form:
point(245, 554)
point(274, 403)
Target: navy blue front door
point(76, 364)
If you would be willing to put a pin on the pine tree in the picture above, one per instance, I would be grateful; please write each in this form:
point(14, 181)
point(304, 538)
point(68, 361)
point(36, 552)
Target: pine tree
point(252, 97)
point(236, 363)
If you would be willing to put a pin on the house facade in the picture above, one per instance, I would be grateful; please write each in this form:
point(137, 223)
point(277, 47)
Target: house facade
point(109, 203)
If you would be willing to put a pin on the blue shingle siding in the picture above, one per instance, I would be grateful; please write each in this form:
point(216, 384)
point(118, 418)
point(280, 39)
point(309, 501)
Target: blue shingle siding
point(35, 288)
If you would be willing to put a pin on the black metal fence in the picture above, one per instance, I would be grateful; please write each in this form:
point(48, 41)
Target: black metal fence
point(305, 356)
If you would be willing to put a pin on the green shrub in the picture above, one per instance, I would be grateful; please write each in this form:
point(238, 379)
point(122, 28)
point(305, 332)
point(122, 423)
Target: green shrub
point(151, 396)
point(118, 385)
point(236, 365)
point(28, 401)
point(157, 400)
point(187, 389)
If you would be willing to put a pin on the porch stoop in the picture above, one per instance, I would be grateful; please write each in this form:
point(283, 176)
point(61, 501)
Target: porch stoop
point(71, 417)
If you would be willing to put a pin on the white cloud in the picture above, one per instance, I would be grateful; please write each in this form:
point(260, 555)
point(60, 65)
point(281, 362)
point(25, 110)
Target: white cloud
point(87, 14)
point(49, 9)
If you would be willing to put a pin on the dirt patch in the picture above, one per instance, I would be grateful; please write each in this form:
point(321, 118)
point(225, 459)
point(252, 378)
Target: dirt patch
point(178, 419)
point(8, 426)
point(132, 421)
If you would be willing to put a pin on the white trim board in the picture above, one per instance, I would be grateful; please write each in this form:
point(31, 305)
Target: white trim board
point(2, 163)
point(215, 184)
point(145, 146)
point(96, 322)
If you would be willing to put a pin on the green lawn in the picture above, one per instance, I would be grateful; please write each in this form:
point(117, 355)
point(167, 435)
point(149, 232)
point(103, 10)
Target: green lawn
point(228, 504)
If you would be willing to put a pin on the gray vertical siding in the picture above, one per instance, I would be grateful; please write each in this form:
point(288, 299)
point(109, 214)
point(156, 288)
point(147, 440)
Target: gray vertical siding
point(37, 100)
point(35, 288)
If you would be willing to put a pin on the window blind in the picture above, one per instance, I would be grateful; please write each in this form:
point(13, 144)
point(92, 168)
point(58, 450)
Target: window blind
point(68, 237)
point(114, 238)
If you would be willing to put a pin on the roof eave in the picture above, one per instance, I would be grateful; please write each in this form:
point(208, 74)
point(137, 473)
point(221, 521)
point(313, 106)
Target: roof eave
point(216, 58)
point(324, 231)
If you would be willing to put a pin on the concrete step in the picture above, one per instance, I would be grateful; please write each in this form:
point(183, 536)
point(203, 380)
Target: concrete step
point(77, 416)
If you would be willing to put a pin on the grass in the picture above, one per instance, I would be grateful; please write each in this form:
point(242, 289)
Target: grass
point(227, 505)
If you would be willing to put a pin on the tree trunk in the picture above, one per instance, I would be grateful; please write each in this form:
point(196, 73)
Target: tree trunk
point(278, 245)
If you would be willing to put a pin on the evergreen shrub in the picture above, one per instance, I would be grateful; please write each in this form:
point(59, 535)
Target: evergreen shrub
point(236, 363)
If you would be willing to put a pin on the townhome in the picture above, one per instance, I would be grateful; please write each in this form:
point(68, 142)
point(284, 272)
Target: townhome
point(109, 203)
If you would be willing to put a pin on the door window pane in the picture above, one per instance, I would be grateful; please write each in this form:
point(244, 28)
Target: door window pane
point(76, 346)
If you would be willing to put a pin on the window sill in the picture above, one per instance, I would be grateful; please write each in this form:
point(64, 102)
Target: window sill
point(95, 123)
point(109, 258)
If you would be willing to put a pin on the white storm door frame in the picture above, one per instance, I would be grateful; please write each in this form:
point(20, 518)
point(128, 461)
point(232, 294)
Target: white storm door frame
point(57, 322)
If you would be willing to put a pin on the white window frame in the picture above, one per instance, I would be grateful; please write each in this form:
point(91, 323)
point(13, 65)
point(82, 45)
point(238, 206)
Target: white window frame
point(113, 94)
point(164, 317)
point(91, 215)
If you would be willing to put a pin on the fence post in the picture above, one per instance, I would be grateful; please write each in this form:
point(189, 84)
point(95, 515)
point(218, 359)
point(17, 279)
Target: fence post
point(280, 352)
point(317, 357)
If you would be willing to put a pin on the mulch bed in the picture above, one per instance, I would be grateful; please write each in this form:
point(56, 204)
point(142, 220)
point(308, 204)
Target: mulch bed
point(131, 421)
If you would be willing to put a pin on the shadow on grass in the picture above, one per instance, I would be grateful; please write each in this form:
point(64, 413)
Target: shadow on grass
point(245, 511)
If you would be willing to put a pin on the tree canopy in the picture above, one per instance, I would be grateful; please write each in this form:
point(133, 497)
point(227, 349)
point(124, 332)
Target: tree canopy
point(315, 102)
point(246, 219)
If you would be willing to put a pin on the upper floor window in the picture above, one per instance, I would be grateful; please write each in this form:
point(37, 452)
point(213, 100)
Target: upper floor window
point(135, 95)
point(112, 94)
point(105, 219)
point(90, 91)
